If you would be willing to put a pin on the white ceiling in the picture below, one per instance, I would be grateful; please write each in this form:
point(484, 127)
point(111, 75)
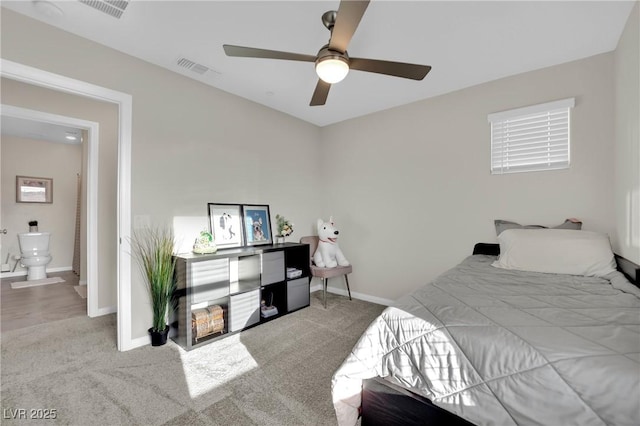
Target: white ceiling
point(466, 43)
point(32, 129)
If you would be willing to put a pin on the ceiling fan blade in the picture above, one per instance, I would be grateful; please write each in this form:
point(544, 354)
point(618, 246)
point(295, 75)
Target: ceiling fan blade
point(396, 69)
point(320, 94)
point(252, 52)
point(349, 16)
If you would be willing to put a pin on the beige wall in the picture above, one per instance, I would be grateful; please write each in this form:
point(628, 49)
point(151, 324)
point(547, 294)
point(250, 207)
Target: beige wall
point(411, 187)
point(191, 144)
point(59, 161)
point(627, 138)
point(106, 115)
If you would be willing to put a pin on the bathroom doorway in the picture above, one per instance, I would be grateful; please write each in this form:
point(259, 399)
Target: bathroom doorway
point(123, 102)
point(36, 128)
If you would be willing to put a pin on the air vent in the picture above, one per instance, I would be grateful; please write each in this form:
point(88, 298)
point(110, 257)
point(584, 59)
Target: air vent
point(113, 8)
point(185, 63)
point(195, 67)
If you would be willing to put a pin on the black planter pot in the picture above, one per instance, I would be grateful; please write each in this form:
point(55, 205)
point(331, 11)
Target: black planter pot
point(158, 338)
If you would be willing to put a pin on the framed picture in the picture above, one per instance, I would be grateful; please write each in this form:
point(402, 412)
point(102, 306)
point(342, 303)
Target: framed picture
point(225, 221)
point(34, 190)
point(257, 224)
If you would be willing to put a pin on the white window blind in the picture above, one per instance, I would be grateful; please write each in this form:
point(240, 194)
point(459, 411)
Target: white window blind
point(531, 138)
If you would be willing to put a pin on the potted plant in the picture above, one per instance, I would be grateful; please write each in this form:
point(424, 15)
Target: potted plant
point(285, 228)
point(153, 249)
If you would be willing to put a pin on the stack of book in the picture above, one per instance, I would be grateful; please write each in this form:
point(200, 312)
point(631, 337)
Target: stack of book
point(293, 273)
point(269, 310)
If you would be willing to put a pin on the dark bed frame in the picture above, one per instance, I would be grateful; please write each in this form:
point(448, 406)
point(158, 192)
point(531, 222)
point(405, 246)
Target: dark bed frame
point(385, 404)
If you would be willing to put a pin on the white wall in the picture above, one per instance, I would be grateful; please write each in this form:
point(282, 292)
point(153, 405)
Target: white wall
point(194, 144)
point(38, 158)
point(627, 138)
point(411, 187)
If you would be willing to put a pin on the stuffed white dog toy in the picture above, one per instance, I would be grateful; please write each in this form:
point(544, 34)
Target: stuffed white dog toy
point(328, 254)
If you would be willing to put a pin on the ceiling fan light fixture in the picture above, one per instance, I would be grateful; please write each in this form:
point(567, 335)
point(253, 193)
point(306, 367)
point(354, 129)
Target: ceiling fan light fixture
point(332, 69)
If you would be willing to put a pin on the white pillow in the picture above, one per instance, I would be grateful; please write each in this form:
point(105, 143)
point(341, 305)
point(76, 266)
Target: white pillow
point(557, 251)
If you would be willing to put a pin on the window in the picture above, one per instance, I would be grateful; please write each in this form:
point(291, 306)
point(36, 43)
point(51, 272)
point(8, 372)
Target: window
point(531, 138)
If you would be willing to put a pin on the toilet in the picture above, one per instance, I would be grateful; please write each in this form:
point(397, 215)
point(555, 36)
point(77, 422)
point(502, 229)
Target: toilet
point(34, 253)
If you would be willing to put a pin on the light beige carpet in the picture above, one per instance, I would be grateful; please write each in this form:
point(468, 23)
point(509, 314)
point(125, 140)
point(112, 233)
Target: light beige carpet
point(278, 373)
point(81, 290)
point(36, 283)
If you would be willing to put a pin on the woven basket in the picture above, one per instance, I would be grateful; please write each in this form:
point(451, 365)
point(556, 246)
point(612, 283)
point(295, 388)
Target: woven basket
point(207, 321)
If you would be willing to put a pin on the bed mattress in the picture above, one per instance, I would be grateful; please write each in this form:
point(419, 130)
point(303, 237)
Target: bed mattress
point(501, 347)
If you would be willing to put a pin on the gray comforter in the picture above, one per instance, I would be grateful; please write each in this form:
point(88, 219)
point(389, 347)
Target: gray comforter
point(500, 347)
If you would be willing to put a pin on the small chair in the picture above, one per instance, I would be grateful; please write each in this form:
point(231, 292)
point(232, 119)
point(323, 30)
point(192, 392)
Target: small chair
point(325, 273)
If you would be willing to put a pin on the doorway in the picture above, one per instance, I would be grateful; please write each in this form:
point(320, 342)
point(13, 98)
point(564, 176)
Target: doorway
point(31, 117)
point(123, 101)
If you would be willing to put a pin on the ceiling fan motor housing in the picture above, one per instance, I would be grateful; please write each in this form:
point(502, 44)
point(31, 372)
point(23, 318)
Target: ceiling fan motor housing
point(325, 53)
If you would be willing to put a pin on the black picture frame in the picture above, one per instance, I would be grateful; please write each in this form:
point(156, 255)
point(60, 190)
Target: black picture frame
point(256, 221)
point(226, 224)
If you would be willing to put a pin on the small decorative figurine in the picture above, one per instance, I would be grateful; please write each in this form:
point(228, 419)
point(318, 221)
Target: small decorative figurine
point(204, 244)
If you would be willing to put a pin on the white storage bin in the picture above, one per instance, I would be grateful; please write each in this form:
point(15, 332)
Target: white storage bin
point(244, 310)
point(209, 280)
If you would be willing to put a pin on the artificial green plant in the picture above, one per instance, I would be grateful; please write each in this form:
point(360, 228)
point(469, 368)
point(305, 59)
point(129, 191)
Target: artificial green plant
point(153, 249)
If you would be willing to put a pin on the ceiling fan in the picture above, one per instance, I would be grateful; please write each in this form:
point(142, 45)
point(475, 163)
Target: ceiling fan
point(332, 61)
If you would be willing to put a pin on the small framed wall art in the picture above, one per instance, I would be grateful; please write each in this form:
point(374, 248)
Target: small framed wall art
point(34, 189)
point(257, 224)
point(225, 221)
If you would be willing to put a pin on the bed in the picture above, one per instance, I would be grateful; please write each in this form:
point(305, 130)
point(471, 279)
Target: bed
point(486, 345)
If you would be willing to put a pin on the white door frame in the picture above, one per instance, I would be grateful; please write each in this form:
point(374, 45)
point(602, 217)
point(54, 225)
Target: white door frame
point(91, 173)
point(30, 75)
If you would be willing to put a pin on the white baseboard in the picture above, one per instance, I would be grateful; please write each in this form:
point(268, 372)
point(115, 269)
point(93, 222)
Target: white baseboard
point(82, 282)
point(105, 311)
point(354, 294)
point(136, 343)
point(23, 272)
point(13, 274)
point(61, 269)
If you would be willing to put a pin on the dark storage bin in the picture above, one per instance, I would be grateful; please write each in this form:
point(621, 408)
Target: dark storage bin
point(297, 294)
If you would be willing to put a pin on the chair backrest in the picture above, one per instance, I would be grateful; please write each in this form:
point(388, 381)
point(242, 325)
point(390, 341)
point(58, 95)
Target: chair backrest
point(312, 240)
